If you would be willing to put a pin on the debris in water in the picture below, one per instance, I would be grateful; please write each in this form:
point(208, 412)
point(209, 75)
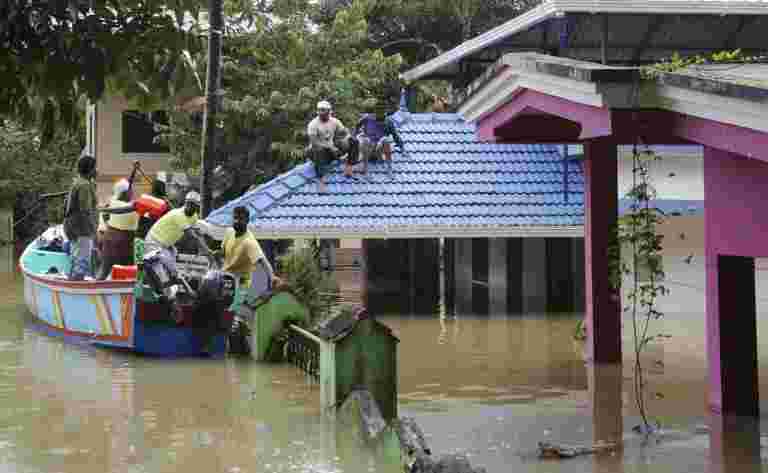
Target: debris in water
point(551, 450)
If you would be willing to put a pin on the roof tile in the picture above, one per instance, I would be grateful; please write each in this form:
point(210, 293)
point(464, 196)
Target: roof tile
point(446, 178)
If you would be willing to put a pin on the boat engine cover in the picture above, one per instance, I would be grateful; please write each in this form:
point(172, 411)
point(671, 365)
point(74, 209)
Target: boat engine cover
point(217, 286)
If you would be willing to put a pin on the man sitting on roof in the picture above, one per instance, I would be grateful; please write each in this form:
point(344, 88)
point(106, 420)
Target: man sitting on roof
point(376, 133)
point(329, 139)
point(242, 252)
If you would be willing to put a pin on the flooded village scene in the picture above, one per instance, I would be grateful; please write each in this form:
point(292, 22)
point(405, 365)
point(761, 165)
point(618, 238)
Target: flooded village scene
point(421, 236)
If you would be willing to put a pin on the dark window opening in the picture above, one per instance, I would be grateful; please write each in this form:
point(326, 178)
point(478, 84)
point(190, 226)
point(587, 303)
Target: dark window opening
point(139, 131)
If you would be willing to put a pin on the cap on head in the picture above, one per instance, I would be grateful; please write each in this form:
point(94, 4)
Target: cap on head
point(193, 197)
point(323, 105)
point(121, 186)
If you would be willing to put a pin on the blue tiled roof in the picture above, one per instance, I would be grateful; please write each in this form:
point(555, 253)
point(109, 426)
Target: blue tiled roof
point(446, 178)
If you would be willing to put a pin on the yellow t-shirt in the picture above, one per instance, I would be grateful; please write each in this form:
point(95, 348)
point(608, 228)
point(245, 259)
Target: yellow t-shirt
point(128, 222)
point(170, 228)
point(241, 254)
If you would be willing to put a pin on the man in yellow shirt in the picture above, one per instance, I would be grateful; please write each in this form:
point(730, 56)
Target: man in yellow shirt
point(242, 252)
point(159, 249)
point(116, 241)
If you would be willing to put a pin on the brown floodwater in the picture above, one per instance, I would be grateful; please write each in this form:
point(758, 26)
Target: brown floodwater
point(488, 387)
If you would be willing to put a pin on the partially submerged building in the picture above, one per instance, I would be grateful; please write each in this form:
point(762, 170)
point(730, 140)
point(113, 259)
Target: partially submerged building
point(504, 222)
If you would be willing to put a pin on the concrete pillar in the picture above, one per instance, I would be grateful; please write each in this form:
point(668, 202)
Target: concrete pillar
point(365, 275)
point(732, 336)
point(734, 444)
point(577, 266)
point(515, 275)
point(497, 275)
point(603, 304)
point(559, 275)
point(463, 275)
point(449, 277)
point(534, 259)
point(606, 403)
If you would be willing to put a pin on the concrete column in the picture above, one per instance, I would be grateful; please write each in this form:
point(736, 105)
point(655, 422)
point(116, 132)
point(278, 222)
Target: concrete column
point(534, 275)
point(559, 275)
point(497, 275)
point(606, 403)
point(364, 273)
point(515, 275)
point(603, 304)
point(463, 275)
point(732, 336)
point(577, 267)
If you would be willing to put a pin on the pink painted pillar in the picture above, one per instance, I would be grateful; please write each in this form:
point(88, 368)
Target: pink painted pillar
point(735, 232)
point(603, 308)
point(734, 445)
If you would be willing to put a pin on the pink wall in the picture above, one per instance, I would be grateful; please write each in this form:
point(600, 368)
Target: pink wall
point(736, 195)
point(736, 224)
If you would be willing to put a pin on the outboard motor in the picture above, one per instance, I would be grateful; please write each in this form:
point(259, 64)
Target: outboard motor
point(157, 272)
point(217, 287)
point(215, 294)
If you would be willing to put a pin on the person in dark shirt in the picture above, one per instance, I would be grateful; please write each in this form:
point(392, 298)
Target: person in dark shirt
point(376, 133)
point(80, 218)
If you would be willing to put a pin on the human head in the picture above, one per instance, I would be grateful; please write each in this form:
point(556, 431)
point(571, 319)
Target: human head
point(86, 166)
point(191, 203)
point(240, 217)
point(323, 110)
point(121, 189)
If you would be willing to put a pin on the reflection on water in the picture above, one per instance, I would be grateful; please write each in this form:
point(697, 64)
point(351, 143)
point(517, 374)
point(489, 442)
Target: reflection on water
point(489, 387)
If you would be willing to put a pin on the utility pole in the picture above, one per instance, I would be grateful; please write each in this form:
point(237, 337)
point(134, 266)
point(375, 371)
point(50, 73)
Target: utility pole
point(213, 85)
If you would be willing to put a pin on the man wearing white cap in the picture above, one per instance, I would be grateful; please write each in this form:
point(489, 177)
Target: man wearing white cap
point(328, 140)
point(166, 232)
point(116, 241)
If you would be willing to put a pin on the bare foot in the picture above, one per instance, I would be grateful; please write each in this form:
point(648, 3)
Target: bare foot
point(348, 170)
point(321, 187)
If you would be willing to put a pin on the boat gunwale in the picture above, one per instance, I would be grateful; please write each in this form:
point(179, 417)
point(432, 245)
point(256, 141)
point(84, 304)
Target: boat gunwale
point(123, 286)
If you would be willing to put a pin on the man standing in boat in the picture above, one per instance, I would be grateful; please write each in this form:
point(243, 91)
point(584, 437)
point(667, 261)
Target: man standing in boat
point(119, 231)
point(159, 245)
point(80, 218)
point(241, 251)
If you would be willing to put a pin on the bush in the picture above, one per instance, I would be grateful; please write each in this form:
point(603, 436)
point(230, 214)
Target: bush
point(303, 278)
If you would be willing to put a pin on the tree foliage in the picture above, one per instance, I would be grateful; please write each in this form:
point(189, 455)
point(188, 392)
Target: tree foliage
point(274, 71)
point(55, 52)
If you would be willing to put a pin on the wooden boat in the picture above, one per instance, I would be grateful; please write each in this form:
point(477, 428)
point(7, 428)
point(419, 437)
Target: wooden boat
point(119, 313)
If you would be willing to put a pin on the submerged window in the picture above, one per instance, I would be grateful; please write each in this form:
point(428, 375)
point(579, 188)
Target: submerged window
point(139, 131)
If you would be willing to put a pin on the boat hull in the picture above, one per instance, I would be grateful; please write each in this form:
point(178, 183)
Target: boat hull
point(103, 313)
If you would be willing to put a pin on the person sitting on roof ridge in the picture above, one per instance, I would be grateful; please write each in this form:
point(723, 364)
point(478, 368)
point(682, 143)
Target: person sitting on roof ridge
point(376, 134)
point(329, 139)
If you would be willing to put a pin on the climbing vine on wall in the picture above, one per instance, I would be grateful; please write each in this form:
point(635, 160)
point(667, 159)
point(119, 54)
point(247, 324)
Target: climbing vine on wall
point(637, 266)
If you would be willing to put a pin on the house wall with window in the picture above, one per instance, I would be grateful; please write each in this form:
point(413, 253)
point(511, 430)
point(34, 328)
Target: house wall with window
point(119, 135)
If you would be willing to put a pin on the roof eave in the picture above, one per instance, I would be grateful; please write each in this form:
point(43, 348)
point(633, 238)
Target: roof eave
point(559, 8)
point(414, 232)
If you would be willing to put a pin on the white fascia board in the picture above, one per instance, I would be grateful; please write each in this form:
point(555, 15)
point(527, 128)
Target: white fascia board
point(661, 7)
point(717, 108)
point(553, 8)
point(541, 231)
point(497, 93)
point(478, 43)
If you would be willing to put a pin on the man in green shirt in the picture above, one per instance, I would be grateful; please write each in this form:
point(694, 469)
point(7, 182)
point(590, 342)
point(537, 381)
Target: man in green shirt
point(80, 218)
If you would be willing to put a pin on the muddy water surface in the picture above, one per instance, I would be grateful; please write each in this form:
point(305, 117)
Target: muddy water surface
point(491, 388)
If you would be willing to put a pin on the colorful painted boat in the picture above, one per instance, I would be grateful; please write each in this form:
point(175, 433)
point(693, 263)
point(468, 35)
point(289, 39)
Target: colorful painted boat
point(111, 313)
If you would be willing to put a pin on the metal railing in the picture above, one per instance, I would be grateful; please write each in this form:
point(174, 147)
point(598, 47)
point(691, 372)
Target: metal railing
point(302, 349)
